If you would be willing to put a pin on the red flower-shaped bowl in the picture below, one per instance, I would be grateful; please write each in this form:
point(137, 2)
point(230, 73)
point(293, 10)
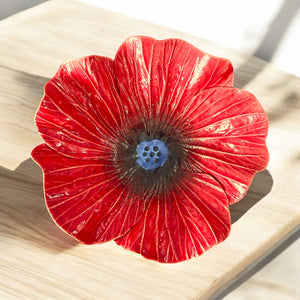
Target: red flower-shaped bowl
point(148, 149)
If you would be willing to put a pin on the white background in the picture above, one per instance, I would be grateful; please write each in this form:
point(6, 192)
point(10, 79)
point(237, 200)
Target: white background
point(270, 29)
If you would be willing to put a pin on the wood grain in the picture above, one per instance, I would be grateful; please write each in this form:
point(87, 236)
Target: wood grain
point(39, 261)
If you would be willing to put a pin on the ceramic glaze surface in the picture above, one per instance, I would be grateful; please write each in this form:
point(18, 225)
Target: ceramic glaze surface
point(98, 118)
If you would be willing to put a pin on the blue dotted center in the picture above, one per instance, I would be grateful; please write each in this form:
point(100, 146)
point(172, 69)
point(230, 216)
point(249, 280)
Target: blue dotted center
point(151, 154)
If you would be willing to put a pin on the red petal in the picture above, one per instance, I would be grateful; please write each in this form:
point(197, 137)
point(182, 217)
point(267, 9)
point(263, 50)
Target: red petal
point(80, 114)
point(225, 136)
point(156, 76)
point(186, 222)
point(85, 197)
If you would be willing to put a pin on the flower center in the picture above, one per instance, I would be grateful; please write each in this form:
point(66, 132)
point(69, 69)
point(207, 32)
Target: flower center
point(151, 154)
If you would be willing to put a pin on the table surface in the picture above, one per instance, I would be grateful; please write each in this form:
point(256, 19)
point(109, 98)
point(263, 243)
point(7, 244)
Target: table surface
point(38, 260)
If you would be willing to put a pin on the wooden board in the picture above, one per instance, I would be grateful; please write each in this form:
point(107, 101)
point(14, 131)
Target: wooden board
point(39, 261)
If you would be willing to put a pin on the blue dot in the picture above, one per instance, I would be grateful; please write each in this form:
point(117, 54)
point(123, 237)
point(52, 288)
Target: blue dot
point(153, 160)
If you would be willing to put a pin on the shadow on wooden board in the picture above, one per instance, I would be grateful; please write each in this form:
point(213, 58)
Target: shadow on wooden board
point(260, 187)
point(23, 214)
